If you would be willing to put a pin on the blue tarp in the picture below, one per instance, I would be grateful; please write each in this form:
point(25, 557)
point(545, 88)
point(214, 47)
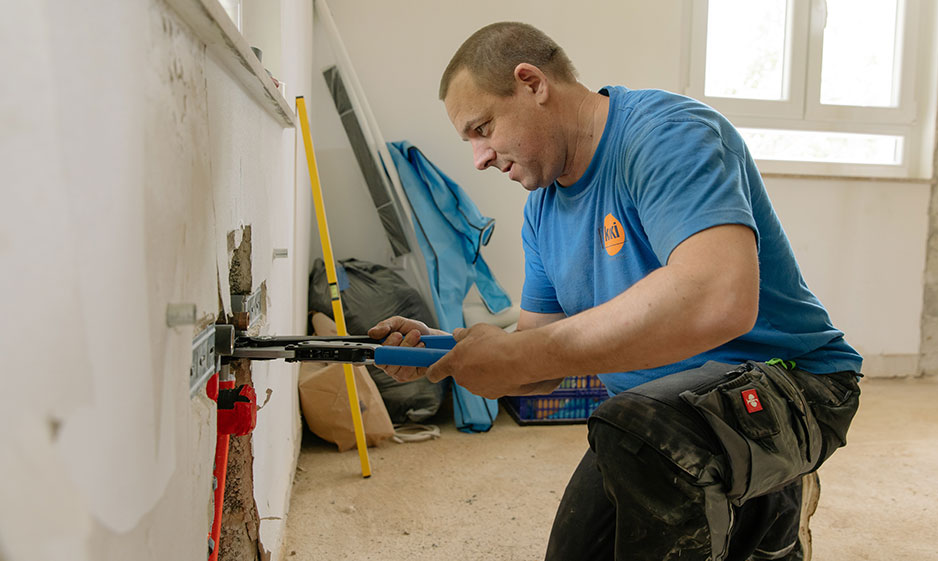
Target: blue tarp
point(451, 232)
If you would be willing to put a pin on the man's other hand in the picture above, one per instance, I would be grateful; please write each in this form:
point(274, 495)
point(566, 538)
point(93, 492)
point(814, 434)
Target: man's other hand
point(398, 331)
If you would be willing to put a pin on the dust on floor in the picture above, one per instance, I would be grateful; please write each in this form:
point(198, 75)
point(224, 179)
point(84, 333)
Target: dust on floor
point(492, 496)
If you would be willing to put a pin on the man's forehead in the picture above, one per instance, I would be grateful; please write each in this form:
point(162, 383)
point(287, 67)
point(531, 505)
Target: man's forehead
point(462, 89)
point(463, 79)
point(465, 102)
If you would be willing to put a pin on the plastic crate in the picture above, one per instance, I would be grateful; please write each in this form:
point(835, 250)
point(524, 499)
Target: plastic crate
point(572, 402)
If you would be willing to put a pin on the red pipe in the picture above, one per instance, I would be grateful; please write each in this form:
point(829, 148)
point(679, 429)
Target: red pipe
point(221, 468)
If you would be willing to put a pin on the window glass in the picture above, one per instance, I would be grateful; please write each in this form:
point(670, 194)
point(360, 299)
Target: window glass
point(746, 49)
point(233, 9)
point(823, 146)
point(859, 62)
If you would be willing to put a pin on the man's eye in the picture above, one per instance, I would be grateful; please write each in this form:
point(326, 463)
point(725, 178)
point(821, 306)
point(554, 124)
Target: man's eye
point(480, 130)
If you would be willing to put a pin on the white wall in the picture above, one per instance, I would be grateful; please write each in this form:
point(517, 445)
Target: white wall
point(861, 244)
point(127, 156)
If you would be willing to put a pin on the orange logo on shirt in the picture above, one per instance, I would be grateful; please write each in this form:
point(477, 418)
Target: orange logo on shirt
point(612, 235)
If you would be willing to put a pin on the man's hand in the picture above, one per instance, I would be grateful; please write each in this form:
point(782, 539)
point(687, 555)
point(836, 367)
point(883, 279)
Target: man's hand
point(492, 363)
point(402, 332)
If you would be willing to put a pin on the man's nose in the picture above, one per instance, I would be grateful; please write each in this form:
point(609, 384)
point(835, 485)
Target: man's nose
point(483, 155)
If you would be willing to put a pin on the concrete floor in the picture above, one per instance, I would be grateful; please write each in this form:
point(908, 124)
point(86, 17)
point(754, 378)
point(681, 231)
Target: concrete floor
point(493, 496)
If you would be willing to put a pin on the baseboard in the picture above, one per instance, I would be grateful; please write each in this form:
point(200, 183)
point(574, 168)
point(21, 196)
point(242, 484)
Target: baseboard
point(891, 366)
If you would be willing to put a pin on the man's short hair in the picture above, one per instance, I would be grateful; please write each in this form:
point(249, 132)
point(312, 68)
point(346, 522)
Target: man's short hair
point(492, 53)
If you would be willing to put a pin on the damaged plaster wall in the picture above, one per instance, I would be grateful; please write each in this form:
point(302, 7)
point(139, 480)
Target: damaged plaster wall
point(240, 522)
point(929, 359)
point(127, 156)
point(928, 365)
point(247, 168)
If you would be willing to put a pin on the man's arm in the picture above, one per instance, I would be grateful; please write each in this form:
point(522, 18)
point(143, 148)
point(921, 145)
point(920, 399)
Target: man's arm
point(531, 320)
point(705, 296)
point(528, 321)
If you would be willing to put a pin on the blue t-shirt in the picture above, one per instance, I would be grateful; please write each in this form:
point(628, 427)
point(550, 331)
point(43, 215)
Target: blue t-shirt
point(666, 168)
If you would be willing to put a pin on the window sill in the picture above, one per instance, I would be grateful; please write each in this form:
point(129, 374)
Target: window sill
point(842, 177)
point(212, 26)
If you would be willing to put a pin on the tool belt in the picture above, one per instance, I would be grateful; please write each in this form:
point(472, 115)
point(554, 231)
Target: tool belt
point(764, 418)
point(738, 432)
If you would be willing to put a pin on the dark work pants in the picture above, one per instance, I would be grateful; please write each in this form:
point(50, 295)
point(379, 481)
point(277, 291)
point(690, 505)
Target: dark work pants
point(681, 468)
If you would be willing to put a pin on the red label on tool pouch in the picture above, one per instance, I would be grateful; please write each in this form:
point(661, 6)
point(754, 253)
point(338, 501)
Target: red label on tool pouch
point(751, 399)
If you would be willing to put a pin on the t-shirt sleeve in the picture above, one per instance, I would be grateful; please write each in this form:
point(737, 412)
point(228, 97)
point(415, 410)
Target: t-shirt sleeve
point(538, 294)
point(685, 177)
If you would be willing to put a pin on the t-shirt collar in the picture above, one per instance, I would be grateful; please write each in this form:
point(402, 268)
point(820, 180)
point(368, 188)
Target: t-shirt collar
point(580, 185)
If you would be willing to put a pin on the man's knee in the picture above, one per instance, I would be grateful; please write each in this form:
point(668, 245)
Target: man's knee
point(659, 508)
point(632, 419)
point(650, 456)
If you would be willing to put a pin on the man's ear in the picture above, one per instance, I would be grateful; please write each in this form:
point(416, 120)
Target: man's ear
point(531, 80)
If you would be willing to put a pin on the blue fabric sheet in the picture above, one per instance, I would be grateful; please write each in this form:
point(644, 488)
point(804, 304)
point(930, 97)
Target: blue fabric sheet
point(451, 232)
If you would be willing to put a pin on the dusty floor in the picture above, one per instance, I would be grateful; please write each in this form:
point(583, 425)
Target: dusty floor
point(493, 496)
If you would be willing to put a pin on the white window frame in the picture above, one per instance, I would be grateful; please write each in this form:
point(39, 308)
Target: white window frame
point(802, 110)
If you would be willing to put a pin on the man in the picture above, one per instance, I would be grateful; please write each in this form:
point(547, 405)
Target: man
point(653, 258)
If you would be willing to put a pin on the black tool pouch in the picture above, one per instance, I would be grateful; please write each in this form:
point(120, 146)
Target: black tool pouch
point(770, 441)
point(834, 400)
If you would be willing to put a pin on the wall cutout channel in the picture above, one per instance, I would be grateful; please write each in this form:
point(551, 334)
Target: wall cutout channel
point(240, 523)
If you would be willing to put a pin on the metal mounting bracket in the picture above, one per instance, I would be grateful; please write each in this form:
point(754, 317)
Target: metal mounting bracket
point(249, 304)
point(207, 350)
point(205, 361)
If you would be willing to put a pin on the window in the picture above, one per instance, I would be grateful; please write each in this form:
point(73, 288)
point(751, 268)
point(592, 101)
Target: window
point(233, 9)
point(816, 86)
